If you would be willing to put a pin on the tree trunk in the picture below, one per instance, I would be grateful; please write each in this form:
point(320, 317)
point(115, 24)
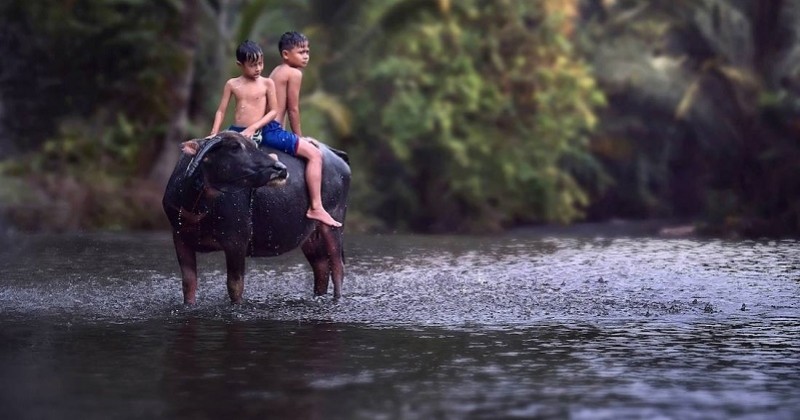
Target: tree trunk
point(180, 90)
point(767, 34)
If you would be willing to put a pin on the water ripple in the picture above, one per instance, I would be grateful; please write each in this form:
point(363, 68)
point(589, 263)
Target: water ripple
point(418, 280)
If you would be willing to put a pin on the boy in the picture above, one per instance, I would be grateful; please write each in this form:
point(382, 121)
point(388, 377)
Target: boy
point(287, 79)
point(257, 107)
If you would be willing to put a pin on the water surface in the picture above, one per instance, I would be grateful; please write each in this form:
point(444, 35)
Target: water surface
point(522, 325)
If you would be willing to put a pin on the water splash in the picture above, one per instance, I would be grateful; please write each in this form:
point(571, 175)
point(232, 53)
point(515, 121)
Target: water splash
point(416, 280)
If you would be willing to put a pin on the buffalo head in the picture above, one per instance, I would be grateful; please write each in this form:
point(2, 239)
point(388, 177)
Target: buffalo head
point(233, 161)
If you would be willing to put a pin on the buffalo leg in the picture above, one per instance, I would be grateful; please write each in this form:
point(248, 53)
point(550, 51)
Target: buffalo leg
point(187, 259)
point(234, 260)
point(314, 250)
point(323, 251)
point(335, 248)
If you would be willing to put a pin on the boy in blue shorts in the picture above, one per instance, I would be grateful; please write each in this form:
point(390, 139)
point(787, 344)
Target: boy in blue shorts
point(255, 117)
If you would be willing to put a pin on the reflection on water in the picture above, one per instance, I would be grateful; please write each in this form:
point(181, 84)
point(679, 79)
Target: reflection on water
point(514, 326)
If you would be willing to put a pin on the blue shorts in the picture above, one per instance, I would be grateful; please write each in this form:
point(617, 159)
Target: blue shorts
point(274, 136)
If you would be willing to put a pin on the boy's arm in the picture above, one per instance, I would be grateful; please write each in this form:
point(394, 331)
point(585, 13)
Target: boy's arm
point(293, 101)
point(223, 106)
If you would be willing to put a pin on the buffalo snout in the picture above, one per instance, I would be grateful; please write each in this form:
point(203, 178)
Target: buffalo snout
point(279, 173)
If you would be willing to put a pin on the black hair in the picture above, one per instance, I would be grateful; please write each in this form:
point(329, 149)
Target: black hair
point(290, 40)
point(248, 51)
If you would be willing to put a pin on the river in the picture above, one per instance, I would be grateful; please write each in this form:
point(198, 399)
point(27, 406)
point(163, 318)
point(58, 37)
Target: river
point(531, 324)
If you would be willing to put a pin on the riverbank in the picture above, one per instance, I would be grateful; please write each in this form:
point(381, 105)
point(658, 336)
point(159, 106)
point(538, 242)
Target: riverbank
point(48, 203)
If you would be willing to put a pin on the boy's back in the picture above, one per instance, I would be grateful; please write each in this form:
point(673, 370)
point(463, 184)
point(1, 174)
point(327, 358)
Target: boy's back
point(285, 77)
point(288, 77)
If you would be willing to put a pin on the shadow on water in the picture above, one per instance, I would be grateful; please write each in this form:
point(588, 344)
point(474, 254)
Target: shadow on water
point(523, 325)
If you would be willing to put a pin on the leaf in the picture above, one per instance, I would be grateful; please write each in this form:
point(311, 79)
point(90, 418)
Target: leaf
point(688, 100)
point(337, 113)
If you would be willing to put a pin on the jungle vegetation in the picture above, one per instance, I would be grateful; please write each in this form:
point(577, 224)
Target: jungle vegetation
point(459, 116)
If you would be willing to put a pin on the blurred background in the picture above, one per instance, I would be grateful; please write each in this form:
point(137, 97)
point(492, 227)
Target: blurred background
point(463, 116)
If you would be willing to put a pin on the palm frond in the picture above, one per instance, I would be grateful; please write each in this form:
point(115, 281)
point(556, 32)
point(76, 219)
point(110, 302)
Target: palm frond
point(337, 113)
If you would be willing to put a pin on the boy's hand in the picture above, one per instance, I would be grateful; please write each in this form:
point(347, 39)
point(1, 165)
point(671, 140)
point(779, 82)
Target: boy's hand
point(248, 132)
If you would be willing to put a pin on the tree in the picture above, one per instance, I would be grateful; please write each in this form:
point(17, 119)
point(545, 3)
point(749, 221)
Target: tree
point(90, 86)
point(178, 88)
point(706, 115)
point(477, 115)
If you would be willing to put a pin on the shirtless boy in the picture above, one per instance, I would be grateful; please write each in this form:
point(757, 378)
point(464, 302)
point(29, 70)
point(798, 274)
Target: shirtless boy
point(256, 111)
point(287, 78)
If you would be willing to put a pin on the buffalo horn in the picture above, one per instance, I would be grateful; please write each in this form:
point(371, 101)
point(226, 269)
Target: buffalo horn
point(195, 162)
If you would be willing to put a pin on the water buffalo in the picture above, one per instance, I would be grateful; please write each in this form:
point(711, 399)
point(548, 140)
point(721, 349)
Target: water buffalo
point(226, 194)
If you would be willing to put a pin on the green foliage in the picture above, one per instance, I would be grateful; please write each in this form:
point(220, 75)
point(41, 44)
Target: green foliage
point(458, 116)
point(84, 93)
point(706, 111)
point(481, 116)
point(81, 146)
point(68, 59)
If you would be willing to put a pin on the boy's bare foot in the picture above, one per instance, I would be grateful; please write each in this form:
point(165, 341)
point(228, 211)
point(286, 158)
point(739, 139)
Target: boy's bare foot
point(322, 216)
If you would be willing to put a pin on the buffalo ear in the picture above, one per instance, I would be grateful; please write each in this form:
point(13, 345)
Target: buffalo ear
point(190, 147)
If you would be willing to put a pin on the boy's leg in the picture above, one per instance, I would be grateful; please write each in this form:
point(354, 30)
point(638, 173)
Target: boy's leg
point(314, 182)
